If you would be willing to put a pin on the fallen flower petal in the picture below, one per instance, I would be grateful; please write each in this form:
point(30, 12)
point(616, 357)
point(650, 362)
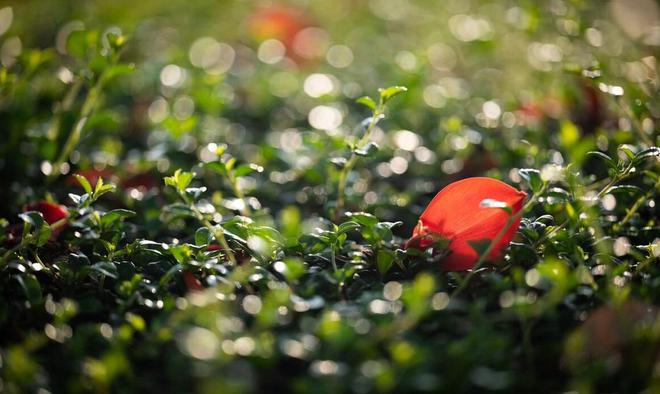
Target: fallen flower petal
point(456, 214)
point(192, 283)
point(52, 212)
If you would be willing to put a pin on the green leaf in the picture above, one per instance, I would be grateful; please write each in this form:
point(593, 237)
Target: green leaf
point(78, 261)
point(203, 236)
point(84, 183)
point(31, 288)
point(628, 150)
point(294, 268)
point(368, 150)
point(364, 218)
point(118, 70)
point(181, 253)
point(608, 160)
point(214, 166)
point(102, 188)
point(106, 268)
point(384, 260)
point(559, 194)
point(387, 93)
point(179, 180)
point(653, 151)
point(229, 164)
point(347, 227)
point(80, 43)
point(624, 189)
point(246, 169)
point(367, 101)
point(42, 230)
point(339, 162)
point(532, 177)
point(115, 215)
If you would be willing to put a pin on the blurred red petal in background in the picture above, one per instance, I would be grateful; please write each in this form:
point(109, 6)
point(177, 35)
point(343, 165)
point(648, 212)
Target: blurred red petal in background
point(192, 283)
point(52, 212)
point(456, 214)
point(277, 22)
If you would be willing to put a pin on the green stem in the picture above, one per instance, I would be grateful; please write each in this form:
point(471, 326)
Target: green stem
point(353, 159)
point(217, 231)
point(484, 256)
point(25, 242)
point(88, 107)
point(62, 107)
point(638, 204)
point(636, 123)
point(233, 182)
point(600, 194)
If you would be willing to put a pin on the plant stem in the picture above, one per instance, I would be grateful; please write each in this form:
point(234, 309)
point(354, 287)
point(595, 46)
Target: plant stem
point(25, 242)
point(482, 258)
point(638, 204)
point(333, 258)
point(600, 194)
point(238, 192)
point(636, 123)
point(220, 236)
point(88, 107)
point(352, 161)
point(217, 231)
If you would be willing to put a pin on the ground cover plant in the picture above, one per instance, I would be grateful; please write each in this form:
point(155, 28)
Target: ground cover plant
point(388, 196)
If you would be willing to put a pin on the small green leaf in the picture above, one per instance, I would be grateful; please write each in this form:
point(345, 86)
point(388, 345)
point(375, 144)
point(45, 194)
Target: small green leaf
point(364, 218)
point(367, 101)
point(628, 150)
point(608, 160)
point(31, 288)
point(106, 268)
point(653, 151)
point(338, 162)
point(179, 180)
point(368, 150)
point(532, 177)
point(42, 230)
point(181, 253)
point(84, 183)
point(78, 261)
point(229, 164)
point(246, 169)
point(347, 227)
point(624, 189)
point(294, 268)
point(203, 236)
point(384, 260)
point(116, 215)
point(387, 93)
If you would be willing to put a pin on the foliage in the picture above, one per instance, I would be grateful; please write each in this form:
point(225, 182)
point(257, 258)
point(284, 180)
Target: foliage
point(237, 211)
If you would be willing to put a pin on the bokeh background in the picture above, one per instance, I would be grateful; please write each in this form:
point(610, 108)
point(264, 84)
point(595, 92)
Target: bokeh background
point(488, 83)
point(493, 87)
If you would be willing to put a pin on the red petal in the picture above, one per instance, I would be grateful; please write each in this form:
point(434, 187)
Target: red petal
point(192, 283)
point(52, 212)
point(455, 213)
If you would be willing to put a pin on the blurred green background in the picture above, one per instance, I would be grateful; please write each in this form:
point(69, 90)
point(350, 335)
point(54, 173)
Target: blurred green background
point(489, 82)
